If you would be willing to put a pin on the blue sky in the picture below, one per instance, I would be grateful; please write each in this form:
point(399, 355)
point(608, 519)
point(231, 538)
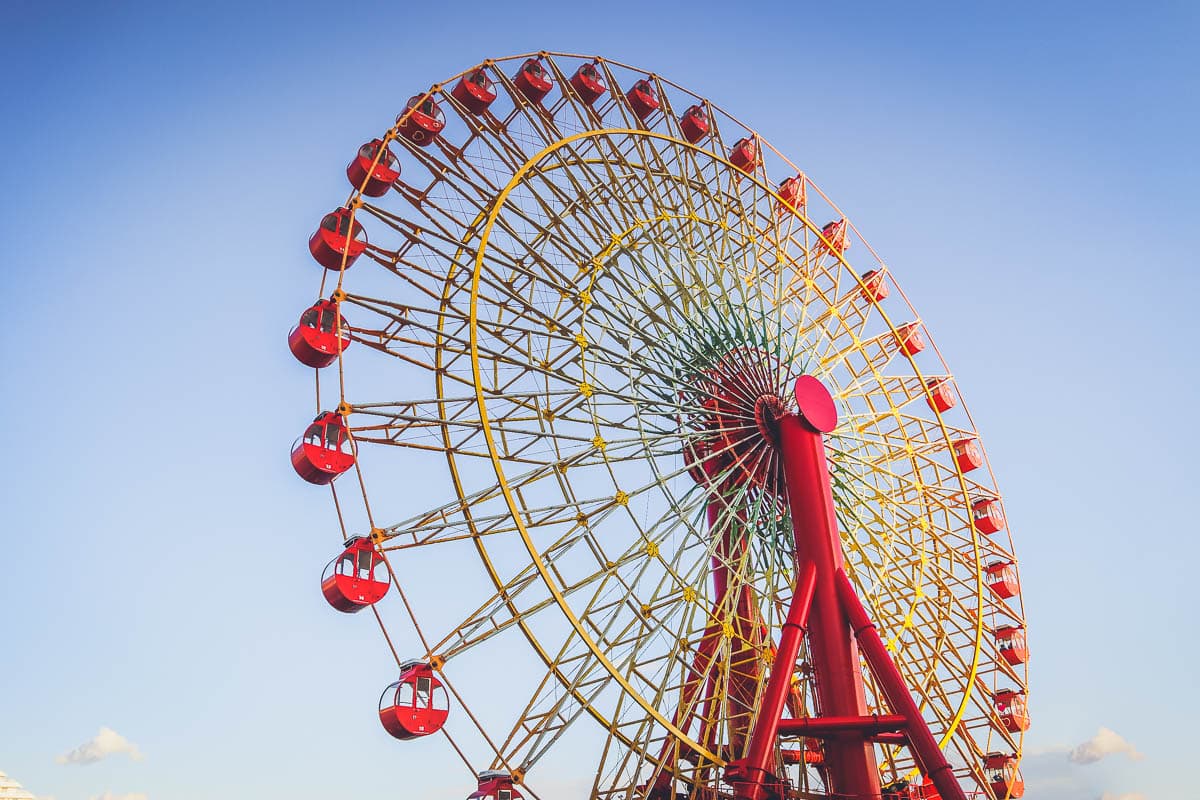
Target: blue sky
point(1027, 170)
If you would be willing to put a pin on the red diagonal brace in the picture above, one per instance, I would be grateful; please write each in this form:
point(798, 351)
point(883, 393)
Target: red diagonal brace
point(756, 770)
point(929, 756)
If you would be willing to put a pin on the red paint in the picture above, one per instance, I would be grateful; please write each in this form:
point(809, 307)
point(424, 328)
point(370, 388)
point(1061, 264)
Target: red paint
point(815, 404)
point(756, 768)
point(475, 91)
point(745, 155)
point(495, 785)
point(1013, 712)
point(849, 759)
point(642, 99)
point(320, 335)
point(533, 81)
point(694, 123)
point(968, 455)
point(373, 178)
point(357, 578)
point(1010, 640)
point(832, 726)
point(835, 234)
point(910, 339)
point(794, 194)
point(422, 120)
point(941, 397)
point(929, 756)
point(416, 704)
point(337, 238)
point(588, 83)
point(1002, 579)
point(1003, 776)
point(875, 286)
point(988, 515)
point(325, 450)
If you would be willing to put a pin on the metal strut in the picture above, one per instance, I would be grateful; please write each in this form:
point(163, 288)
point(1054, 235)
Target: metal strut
point(837, 624)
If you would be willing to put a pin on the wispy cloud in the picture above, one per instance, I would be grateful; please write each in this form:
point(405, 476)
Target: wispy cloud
point(1127, 796)
point(1105, 743)
point(104, 744)
point(111, 796)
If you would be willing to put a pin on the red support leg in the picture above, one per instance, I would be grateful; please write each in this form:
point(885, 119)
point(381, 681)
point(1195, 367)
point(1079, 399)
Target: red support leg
point(930, 757)
point(757, 768)
point(849, 757)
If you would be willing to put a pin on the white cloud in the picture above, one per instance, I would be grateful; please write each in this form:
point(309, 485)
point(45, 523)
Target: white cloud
point(1105, 743)
point(1127, 796)
point(133, 796)
point(104, 744)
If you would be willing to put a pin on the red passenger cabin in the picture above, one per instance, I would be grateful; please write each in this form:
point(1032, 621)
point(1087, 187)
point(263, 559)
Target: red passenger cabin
point(475, 91)
point(588, 83)
point(321, 334)
point(338, 238)
point(875, 288)
point(533, 80)
point(968, 455)
point(1002, 775)
point(422, 120)
point(642, 99)
point(988, 515)
point(416, 704)
point(357, 578)
point(835, 233)
point(374, 177)
point(1002, 579)
point(903, 789)
point(794, 193)
point(694, 123)
point(1010, 640)
point(324, 451)
point(909, 338)
point(1010, 705)
point(495, 784)
point(941, 394)
point(745, 155)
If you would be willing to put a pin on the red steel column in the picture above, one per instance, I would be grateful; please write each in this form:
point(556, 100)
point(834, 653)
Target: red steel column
point(925, 747)
point(758, 765)
point(850, 758)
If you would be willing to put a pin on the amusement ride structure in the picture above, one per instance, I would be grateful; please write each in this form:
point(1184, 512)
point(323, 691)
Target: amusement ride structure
point(712, 476)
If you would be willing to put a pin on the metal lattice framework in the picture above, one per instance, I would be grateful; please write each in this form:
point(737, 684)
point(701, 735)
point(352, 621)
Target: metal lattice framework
point(554, 283)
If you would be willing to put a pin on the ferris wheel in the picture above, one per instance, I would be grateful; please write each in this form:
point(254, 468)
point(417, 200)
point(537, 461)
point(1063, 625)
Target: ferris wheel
point(704, 467)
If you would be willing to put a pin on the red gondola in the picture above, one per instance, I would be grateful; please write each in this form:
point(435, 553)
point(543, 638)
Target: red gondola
point(357, 578)
point(642, 99)
point(325, 451)
point(416, 704)
point(337, 237)
point(1013, 711)
point(745, 155)
point(422, 120)
point(794, 194)
point(941, 394)
point(1002, 579)
point(374, 180)
point(533, 80)
point(875, 286)
point(475, 91)
point(1003, 776)
point(588, 83)
point(909, 338)
point(495, 784)
point(988, 515)
point(694, 123)
point(968, 455)
point(1010, 640)
point(835, 233)
point(320, 336)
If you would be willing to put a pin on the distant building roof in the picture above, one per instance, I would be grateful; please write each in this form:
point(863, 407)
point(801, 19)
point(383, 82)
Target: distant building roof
point(11, 790)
